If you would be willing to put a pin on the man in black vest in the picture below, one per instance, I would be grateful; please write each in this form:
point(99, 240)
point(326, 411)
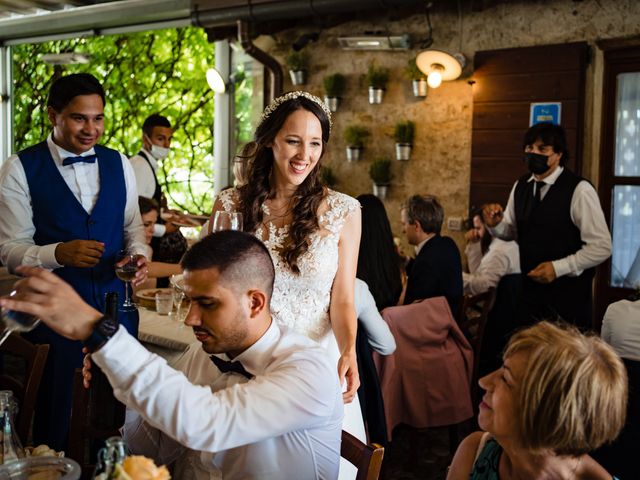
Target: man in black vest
point(558, 222)
point(168, 244)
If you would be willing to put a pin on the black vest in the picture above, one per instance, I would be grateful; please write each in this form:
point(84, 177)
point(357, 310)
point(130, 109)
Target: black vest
point(546, 233)
point(157, 194)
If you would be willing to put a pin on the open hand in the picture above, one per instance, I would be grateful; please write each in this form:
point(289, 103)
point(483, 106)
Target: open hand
point(79, 253)
point(492, 214)
point(348, 369)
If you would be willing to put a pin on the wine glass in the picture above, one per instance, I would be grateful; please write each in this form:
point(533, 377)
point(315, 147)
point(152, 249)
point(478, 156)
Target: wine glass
point(14, 321)
point(126, 269)
point(227, 221)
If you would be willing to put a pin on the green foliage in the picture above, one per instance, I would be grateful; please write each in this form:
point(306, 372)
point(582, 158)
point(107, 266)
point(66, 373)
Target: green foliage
point(405, 132)
point(355, 135)
point(297, 60)
point(413, 72)
point(327, 176)
point(334, 85)
point(160, 71)
point(380, 171)
point(377, 77)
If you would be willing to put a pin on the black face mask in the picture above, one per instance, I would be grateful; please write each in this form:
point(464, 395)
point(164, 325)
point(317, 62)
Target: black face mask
point(536, 163)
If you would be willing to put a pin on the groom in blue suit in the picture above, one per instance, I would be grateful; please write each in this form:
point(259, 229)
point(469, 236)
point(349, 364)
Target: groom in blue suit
point(69, 205)
point(437, 269)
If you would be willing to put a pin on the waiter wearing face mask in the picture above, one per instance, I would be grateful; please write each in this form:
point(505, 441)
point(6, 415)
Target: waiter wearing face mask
point(168, 244)
point(556, 217)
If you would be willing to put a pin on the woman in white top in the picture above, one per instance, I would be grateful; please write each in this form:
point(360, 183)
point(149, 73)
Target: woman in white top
point(489, 258)
point(312, 233)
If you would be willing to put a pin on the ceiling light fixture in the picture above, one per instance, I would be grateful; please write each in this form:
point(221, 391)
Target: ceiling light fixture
point(440, 66)
point(375, 42)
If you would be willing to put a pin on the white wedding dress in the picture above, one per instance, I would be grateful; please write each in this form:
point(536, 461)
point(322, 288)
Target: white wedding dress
point(301, 301)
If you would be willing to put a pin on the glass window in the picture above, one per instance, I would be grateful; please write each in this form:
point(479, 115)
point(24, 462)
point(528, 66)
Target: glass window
point(627, 149)
point(625, 261)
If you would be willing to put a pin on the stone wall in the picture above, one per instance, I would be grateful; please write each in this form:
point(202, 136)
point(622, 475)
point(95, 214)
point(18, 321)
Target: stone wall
point(440, 163)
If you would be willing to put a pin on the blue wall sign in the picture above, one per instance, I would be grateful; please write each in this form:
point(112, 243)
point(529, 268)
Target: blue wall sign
point(545, 112)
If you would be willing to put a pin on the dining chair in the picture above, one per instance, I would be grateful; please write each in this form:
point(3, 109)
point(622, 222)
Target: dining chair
point(25, 381)
point(85, 437)
point(473, 320)
point(366, 458)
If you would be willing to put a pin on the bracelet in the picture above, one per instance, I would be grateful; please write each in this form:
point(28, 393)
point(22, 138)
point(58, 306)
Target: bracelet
point(104, 329)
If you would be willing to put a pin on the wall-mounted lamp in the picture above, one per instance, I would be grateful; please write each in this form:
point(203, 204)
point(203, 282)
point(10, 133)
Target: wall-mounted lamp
point(440, 66)
point(215, 81)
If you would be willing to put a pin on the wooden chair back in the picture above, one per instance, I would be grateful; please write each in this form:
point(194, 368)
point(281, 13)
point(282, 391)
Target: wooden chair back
point(25, 389)
point(473, 320)
point(366, 458)
point(84, 438)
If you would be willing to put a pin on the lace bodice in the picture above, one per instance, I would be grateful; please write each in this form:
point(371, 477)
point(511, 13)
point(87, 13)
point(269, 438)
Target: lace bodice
point(301, 301)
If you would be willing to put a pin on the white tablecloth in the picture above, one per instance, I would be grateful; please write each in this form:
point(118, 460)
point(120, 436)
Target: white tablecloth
point(164, 335)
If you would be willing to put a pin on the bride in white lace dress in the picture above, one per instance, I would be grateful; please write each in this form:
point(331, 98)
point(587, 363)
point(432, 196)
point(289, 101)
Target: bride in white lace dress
point(313, 234)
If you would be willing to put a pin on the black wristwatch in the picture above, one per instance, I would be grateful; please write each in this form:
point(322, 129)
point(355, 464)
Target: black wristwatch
point(102, 332)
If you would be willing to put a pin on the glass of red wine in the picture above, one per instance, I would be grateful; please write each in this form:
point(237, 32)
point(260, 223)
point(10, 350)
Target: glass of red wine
point(126, 269)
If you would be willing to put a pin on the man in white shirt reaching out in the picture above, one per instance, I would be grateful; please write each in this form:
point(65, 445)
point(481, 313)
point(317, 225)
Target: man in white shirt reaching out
point(273, 411)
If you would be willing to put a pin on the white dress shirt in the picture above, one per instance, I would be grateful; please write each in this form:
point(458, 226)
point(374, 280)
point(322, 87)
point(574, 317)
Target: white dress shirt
point(145, 176)
point(502, 258)
point(17, 246)
point(621, 328)
point(377, 330)
point(586, 214)
point(284, 423)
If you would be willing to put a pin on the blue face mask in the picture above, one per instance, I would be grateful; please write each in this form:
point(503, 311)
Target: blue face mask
point(536, 163)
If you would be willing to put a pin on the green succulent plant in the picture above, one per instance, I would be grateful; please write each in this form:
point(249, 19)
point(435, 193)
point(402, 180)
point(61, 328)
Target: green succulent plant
point(334, 85)
point(377, 77)
point(380, 171)
point(355, 135)
point(413, 72)
point(405, 132)
point(297, 61)
point(327, 176)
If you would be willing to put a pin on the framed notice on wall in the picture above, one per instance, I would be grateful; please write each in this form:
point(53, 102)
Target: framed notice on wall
point(545, 112)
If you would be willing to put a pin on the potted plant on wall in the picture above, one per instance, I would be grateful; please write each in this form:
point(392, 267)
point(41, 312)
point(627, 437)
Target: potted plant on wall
point(380, 173)
point(355, 135)
point(404, 134)
point(327, 177)
point(418, 79)
point(334, 88)
point(298, 64)
point(377, 78)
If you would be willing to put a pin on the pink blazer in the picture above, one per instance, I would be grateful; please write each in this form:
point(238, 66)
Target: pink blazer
point(426, 382)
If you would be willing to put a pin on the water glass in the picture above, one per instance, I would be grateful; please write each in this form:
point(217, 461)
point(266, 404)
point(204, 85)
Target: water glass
point(164, 302)
point(227, 221)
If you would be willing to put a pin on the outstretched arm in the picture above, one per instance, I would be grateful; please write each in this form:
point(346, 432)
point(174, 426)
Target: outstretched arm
point(342, 310)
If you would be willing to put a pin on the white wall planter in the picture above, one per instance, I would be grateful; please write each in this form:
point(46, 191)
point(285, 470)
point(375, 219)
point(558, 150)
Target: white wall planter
point(403, 151)
point(298, 77)
point(354, 153)
point(332, 103)
point(375, 95)
point(420, 88)
point(380, 191)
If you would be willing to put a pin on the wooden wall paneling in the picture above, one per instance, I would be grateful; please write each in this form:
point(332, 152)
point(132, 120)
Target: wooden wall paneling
point(506, 82)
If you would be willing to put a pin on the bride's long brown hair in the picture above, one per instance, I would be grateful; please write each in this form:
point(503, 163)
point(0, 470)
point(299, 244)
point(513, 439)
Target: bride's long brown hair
point(307, 197)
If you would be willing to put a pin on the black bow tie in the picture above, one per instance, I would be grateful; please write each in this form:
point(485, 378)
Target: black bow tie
point(226, 366)
point(72, 160)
